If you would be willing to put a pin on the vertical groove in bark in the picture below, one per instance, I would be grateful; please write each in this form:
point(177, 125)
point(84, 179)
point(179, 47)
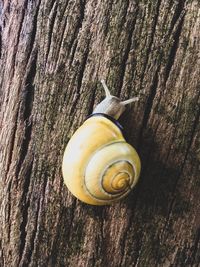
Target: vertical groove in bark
point(149, 105)
point(52, 55)
point(127, 50)
point(26, 205)
point(172, 53)
point(27, 99)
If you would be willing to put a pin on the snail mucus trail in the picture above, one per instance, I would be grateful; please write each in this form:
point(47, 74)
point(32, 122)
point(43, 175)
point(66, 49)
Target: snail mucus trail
point(99, 166)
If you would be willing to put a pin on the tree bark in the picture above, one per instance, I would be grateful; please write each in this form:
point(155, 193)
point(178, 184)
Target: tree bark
point(53, 54)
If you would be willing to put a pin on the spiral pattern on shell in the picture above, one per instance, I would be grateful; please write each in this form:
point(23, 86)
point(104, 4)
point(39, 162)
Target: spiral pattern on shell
point(110, 175)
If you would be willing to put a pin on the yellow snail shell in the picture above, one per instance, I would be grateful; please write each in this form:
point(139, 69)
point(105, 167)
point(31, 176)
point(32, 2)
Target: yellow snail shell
point(99, 166)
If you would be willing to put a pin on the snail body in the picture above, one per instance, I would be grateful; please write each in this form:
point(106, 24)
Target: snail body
point(99, 166)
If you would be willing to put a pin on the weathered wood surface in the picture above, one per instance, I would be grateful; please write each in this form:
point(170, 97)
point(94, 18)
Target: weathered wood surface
point(53, 54)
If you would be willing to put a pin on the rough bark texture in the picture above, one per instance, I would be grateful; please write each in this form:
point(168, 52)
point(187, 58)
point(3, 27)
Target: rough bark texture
point(53, 54)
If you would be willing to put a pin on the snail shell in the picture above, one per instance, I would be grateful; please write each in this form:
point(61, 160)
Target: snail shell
point(99, 166)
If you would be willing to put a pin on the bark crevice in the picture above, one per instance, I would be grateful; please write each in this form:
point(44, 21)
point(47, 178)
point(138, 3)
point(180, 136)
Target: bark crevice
point(23, 12)
point(78, 27)
point(153, 31)
point(173, 50)
point(27, 99)
point(51, 26)
point(149, 104)
point(25, 209)
point(126, 53)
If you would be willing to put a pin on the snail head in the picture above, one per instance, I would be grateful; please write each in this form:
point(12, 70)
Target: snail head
point(112, 105)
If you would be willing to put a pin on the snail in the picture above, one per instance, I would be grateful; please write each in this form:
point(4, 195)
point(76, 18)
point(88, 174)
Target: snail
point(99, 167)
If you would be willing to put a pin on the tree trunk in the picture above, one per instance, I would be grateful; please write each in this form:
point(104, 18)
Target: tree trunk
point(53, 54)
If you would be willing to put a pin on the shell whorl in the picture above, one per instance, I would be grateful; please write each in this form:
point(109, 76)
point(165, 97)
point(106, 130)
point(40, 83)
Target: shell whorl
point(114, 174)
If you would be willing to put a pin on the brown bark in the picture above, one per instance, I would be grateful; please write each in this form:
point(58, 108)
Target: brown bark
point(53, 54)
